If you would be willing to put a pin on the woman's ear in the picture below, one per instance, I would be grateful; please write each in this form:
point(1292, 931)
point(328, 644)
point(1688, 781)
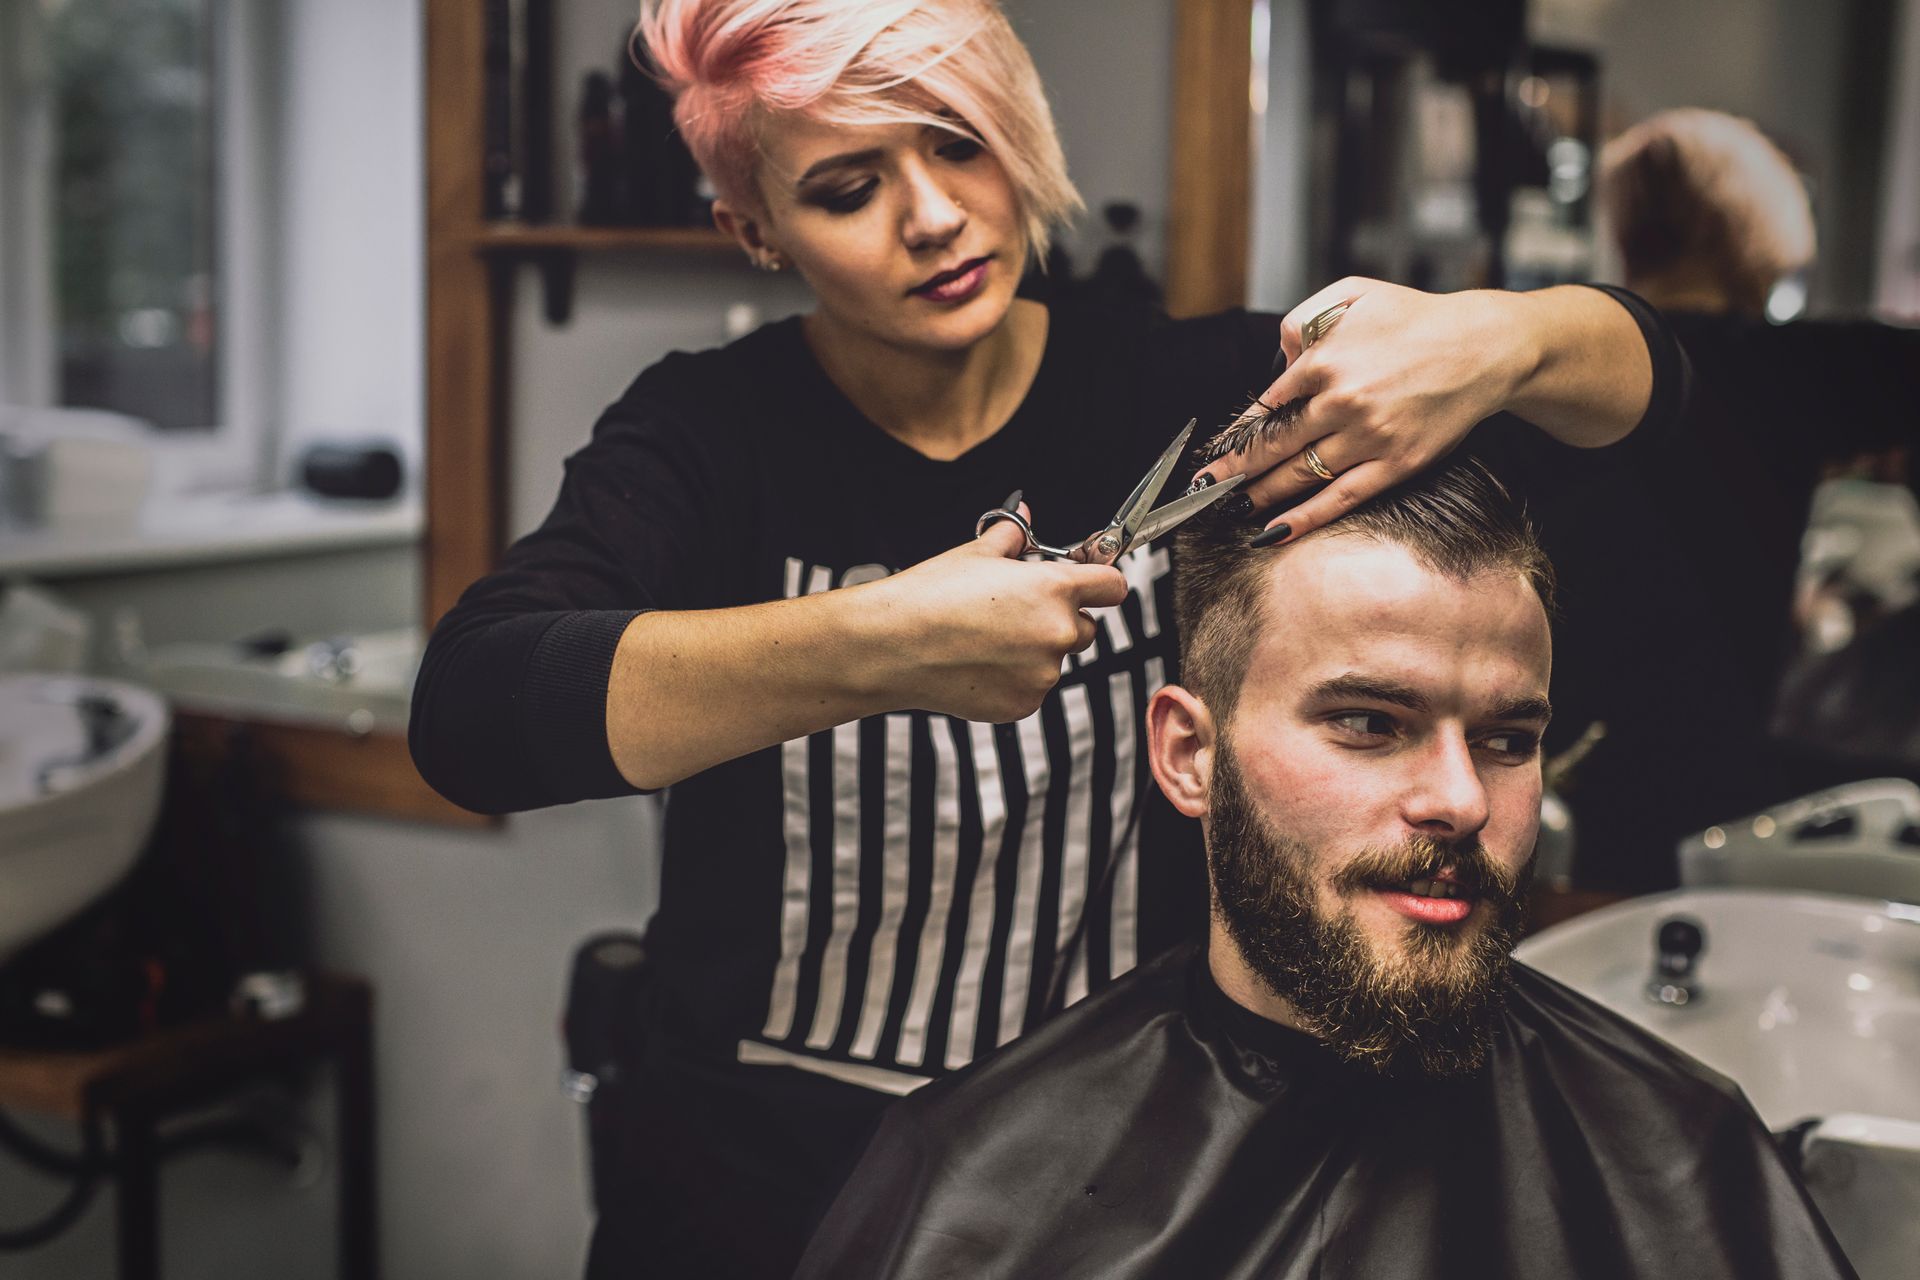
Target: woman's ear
point(1180, 748)
point(747, 232)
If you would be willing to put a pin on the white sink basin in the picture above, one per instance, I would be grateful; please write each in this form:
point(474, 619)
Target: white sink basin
point(360, 683)
point(1860, 839)
point(1811, 1003)
point(81, 767)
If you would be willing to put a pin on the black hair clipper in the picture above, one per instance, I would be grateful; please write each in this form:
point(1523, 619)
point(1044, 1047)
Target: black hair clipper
point(604, 1029)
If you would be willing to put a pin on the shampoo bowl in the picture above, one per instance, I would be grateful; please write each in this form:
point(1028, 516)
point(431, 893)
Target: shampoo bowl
point(81, 767)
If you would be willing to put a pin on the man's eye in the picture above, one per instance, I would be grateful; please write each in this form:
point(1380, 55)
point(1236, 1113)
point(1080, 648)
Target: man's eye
point(848, 199)
point(1365, 724)
point(1515, 743)
point(959, 150)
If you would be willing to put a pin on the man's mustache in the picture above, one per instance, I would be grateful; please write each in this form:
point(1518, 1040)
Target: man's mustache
point(1423, 858)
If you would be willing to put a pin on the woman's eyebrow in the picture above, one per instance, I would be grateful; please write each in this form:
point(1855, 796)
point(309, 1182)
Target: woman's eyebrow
point(845, 160)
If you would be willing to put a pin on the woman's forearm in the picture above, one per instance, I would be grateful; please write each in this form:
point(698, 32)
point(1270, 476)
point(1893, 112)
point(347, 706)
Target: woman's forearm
point(972, 633)
point(690, 690)
point(1588, 376)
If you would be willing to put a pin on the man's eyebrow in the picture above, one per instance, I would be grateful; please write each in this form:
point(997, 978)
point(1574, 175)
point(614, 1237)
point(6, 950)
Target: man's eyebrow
point(846, 160)
point(1523, 709)
point(1370, 689)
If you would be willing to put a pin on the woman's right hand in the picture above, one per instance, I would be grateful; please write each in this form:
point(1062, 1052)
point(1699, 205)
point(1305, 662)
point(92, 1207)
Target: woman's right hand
point(983, 633)
point(975, 632)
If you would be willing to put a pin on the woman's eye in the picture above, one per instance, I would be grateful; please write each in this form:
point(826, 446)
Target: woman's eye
point(1365, 724)
point(959, 150)
point(847, 199)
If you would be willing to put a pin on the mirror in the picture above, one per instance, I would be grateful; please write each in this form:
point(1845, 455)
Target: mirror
point(1453, 145)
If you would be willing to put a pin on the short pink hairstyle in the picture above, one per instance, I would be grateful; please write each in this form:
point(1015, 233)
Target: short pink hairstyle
point(1699, 188)
point(952, 64)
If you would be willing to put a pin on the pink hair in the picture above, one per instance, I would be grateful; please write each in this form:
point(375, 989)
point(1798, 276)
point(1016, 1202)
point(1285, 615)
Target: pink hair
point(952, 64)
point(1703, 188)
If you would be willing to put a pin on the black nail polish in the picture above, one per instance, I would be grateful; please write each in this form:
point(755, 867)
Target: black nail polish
point(1202, 481)
point(1268, 537)
point(1239, 506)
point(1013, 501)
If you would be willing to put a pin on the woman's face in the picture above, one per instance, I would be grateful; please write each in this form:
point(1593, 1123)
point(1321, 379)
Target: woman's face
point(908, 234)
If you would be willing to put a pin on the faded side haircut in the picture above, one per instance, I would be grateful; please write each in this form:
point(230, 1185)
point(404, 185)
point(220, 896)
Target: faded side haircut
point(1455, 518)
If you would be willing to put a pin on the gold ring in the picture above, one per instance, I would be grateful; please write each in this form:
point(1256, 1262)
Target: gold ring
point(1321, 325)
point(1314, 464)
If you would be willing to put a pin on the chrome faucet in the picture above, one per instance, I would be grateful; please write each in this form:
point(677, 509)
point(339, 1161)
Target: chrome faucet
point(1678, 944)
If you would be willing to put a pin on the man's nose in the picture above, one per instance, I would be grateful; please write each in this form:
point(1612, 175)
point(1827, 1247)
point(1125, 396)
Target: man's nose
point(934, 217)
point(1446, 796)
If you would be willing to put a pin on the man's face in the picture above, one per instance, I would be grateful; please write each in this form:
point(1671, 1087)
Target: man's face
point(1373, 803)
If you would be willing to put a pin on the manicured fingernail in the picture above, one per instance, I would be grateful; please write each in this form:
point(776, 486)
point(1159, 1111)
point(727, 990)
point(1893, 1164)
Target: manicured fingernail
point(1239, 506)
point(1013, 501)
point(1268, 537)
point(1202, 481)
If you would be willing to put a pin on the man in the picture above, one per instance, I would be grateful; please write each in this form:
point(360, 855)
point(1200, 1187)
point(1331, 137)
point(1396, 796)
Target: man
point(1351, 1079)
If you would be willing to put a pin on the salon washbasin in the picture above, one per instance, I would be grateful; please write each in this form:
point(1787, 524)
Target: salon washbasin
point(1859, 838)
point(82, 763)
point(359, 683)
point(1810, 1002)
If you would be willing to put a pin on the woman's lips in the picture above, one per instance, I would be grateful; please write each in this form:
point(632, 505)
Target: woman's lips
point(957, 285)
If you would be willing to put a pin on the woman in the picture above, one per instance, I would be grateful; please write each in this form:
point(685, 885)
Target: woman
point(908, 817)
point(1709, 216)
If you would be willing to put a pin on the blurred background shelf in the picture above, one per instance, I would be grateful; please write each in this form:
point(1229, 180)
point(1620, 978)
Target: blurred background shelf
point(514, 237)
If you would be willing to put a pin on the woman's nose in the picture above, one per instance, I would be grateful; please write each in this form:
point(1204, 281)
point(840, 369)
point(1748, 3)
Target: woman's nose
point(1446, 796)
point(934, 215)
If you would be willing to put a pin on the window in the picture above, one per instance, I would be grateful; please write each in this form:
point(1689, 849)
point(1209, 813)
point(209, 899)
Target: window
point(128, 214)
point(210, 219)
point(135, 106)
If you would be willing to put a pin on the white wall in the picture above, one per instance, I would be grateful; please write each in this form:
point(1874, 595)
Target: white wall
point(1897, 271)
point(1108, 70)
point(352, 285)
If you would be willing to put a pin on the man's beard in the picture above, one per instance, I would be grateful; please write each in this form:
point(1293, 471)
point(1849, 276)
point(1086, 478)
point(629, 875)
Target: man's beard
point(1430, 1010)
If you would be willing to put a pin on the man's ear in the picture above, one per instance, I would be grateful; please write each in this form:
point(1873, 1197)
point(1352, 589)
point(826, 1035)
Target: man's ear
point(746, 229)
point(1180, 733)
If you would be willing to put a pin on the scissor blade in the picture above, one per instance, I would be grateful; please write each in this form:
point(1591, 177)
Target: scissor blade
point(1127, 519)
point(1181, 508)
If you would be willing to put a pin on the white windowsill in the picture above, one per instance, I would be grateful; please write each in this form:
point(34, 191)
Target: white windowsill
point(210, 529)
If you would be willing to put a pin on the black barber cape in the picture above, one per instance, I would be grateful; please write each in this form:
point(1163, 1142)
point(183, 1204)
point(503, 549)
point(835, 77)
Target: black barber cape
point(1158, 1129)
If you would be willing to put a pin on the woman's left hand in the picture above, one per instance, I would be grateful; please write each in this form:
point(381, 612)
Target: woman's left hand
point(1399, 380)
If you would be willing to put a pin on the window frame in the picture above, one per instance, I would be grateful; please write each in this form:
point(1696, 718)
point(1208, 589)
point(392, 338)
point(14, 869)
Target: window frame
point(239, 450)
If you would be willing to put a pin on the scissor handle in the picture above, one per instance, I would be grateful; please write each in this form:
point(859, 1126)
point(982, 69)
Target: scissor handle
point(1033, 544)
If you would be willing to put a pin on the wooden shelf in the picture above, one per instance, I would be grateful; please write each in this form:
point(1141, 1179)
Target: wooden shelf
point(510, 238)
point(326, 769)
point(554, 247)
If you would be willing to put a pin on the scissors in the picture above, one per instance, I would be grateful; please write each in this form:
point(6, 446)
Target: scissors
point(1132, 524)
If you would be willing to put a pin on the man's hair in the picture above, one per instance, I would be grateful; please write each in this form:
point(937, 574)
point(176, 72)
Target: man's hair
point(1700, 187)
point(953, 64)
point(1456, 519)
